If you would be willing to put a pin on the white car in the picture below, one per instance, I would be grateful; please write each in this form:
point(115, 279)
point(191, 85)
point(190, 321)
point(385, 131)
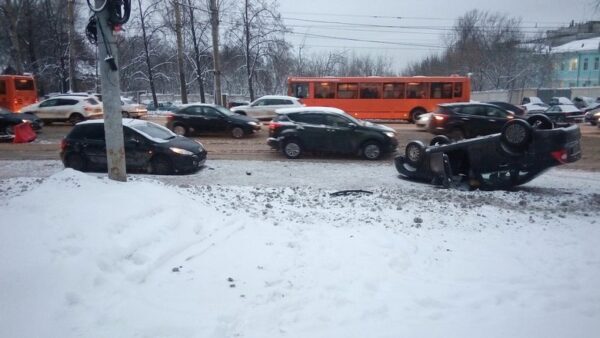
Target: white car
point(264, 107)
point(132, 109)
point(65, 108)
point(423, 120)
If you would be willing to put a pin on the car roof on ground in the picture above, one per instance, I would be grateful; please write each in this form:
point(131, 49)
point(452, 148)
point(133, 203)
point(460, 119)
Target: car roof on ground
point(309, 109)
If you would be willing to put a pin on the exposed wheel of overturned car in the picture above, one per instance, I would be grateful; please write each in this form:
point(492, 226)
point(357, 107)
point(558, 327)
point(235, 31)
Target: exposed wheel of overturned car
point(440, 140)
point(515, 136)
point(415, 153)
point(540, 121)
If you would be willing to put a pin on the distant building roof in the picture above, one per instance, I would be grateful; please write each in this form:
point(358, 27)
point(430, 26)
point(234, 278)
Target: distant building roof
point(578, 46)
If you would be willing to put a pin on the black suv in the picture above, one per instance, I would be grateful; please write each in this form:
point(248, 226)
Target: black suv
point(467, 120)
point(324, 129)
point(148, 148)
point(204, 118)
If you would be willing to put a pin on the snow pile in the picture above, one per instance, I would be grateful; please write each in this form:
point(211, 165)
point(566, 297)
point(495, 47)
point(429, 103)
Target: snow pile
point(82, 256)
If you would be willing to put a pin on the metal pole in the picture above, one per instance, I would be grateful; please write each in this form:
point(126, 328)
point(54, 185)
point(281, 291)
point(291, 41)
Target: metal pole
point(111, 100)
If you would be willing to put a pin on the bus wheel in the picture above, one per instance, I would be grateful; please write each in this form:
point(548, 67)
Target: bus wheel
point(415, 113)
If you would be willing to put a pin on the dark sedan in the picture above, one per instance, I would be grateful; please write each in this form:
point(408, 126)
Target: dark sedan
point(148, 148)
point(467, 120)
point(210, 118)
point(519, 153)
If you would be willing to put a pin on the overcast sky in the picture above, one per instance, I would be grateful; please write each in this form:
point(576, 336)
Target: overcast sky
point(405, 30)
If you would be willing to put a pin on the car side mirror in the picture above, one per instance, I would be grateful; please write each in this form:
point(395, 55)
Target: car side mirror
point(352, 125)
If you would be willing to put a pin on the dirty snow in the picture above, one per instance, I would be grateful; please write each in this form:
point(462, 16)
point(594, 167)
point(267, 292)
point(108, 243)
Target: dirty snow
point(261, 249)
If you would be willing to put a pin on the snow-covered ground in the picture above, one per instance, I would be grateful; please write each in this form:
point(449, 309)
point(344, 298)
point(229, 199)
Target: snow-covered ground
point(261, 249)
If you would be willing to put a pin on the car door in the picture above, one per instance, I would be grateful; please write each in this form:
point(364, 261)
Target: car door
point(137, 149)
point(472, 118)
point(191, 118)
point(214, 120)
point(45, 108)
point(311, 130)
point(258, 108)
point(94, 144)
point(495, 119)
point(340, 136)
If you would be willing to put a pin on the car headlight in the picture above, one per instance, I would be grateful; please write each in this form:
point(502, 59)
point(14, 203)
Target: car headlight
point(181, 151)
point(25, 121)
point(389, 134)
point(253, 123)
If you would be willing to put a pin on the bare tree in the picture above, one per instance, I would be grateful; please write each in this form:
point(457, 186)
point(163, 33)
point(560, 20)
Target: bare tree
point(178, 33)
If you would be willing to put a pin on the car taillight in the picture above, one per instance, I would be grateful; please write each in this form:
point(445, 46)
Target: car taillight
point(88, 108)
point(440, 117)
point(274, 125)
point(560, 155)
point(170, 117)
point(63, 144)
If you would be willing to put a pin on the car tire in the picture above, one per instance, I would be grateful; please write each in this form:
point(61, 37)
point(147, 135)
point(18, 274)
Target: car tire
point(76, 161)
point(415, 153)
point(76, 118)
point(125, 115)
point(456, 134)
point(415, 113)
point(371, 150)
point(237, 132)
point(593, 123)
point(540, 121)
point(180, 129)
point(515, 135)
point(440, 140)
point(161, 165)
point(292, 149)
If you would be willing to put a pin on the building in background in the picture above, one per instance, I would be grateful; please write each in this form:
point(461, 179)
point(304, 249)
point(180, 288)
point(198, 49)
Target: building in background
point(577, 63)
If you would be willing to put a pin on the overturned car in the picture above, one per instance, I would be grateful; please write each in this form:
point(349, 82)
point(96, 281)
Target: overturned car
point(520, 152)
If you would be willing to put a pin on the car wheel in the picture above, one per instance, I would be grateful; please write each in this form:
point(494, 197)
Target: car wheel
point(593, 123)
point(180, 130)
point(292, 149)
point(237, 132)
point(125, 114)
point(414, 153)
point(440, 140)
point(540, 122)
point(161, 165)
point(414, 115)
point(457, 134)
point(371, 150)
point(76, 161)
point(516, 134)
point(75, 118)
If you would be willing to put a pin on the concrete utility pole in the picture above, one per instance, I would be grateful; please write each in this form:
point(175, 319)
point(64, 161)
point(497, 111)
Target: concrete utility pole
point(214, 20)
point(111, 97)
point(71, 36)
point(182, 83)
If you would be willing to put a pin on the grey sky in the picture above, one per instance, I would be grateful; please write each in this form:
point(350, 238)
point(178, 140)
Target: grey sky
point(430, 18)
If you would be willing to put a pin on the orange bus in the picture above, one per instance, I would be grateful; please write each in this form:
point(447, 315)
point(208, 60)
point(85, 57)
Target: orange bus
point(17, 91)
point(381, 98)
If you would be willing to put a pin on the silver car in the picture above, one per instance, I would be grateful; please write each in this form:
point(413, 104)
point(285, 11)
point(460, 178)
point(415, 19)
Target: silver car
point(264, 107)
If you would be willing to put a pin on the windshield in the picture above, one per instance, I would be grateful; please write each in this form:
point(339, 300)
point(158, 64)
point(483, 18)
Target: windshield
point(225, 111)
point(127, 101)
point(154, 131)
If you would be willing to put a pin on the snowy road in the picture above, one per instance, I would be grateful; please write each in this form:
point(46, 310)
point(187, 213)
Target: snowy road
point(261, 249)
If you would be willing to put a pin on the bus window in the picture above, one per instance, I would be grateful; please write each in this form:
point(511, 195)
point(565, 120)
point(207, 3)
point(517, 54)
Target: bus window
point(457, 89)
point(441, 90)
point(393, 90)
point(324, 90)
point(370, 91)
point(24, 84)
point(416, 90)
point(347, 91)
point(299, 90)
